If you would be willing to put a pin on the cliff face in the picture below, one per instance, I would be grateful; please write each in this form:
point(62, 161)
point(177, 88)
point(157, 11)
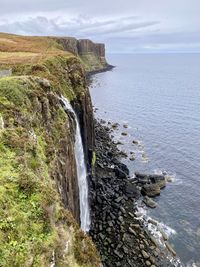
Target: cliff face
point(91, 54)
point(38, 186)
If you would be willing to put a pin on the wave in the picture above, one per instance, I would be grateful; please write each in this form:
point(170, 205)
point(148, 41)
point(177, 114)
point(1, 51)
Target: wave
point(159, 230)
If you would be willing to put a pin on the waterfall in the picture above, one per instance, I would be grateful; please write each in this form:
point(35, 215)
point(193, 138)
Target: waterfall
point(81, 171)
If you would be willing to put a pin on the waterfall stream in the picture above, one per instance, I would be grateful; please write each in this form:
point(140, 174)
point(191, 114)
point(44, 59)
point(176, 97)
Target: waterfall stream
point(81, 171)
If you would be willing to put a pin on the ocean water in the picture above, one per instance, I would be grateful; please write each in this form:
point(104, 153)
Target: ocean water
point(158, 96)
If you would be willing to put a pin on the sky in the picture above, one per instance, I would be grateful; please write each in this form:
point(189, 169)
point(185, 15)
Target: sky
point(125, 26)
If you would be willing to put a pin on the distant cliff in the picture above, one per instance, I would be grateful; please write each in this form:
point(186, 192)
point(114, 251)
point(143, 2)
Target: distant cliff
point(91, 54)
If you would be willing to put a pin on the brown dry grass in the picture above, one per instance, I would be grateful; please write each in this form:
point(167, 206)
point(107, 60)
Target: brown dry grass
point(15, 49)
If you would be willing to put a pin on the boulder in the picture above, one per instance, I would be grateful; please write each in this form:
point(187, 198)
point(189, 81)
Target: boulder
point(141, 175)
point(152, 221)
point(123, 154)
point(169, 247)
point(151, 190)
point(131, 190)
point(168, 178)
point(158, 179)
point(145, 254)
point(123, 167)
point(120, 255)
point(149, 202)
point(115, 125)
point(120, 173)
point(131, 231)
point(44, 83)
point(102, 121)
point(119, 143)
point(164, 235)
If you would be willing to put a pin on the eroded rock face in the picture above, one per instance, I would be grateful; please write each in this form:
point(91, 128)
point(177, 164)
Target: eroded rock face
point(92, 54)
point(65, 176)
point(60, 154)
point(84, 110)
point(40, 135)
point(86, 46)
point(69, 44)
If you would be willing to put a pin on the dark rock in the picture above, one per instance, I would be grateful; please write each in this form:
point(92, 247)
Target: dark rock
point(126, 250)
point(132, 158)
point(123, 167)
point(102, 121)
point(101, 236)
point(158, 179)
point(120, 173)
point(122, 210)
point(123, 154)
point(131, 190)
point(120, 255)
point(119, 143)
point(119, 199)
point(113, 213)
point(141, 175)
point(115, 125)
point(151, 190)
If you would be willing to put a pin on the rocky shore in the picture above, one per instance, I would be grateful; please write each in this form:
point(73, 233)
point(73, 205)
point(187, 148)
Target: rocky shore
point(120, 235)
point(90, 74)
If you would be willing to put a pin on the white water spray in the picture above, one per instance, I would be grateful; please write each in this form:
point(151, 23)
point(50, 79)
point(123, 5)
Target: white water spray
point(81, 171)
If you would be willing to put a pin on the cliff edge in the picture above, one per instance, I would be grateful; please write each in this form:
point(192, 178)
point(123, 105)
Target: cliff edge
point(39, 207)
point(92, 55)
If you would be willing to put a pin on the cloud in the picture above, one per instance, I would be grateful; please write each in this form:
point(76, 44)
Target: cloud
point(129, 25)
point(80, 26)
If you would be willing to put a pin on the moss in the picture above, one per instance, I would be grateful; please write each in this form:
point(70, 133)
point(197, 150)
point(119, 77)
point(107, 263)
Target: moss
point(24, 225)
point(64, 72)
point(33, 223)
point(94, 158)
point(91, 62)
point(13, 90)
point(82, 254)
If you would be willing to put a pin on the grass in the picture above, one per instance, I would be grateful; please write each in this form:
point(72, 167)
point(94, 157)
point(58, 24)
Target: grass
point(15, 49)
point(17, 43)
point(18, 57)
point(33, 223)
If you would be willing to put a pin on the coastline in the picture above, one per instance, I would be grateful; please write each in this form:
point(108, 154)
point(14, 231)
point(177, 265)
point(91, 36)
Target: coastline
point(118, 229)
point(108, 67)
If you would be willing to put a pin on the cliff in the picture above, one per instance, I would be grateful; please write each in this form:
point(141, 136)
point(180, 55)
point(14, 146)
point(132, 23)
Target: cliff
point(39, 207)
point(91, 54)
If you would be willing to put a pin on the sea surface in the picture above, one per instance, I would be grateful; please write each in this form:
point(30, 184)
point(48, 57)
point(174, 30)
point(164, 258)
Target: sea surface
point(158, 96)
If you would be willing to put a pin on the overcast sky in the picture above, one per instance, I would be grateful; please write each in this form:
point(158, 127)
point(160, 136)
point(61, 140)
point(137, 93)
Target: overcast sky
point(124, 25)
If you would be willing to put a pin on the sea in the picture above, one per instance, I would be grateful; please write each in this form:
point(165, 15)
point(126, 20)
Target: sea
point(157, 96)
